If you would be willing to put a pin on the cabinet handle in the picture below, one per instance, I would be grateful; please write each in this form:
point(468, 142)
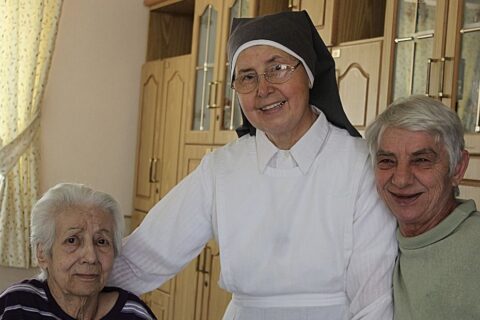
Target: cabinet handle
point(150, 169)
point(429, 69)
point(425, 36)
point(202, 263)
point(442, 76)
point(197, 267)
point(208, 260)
point(467, 30)
point(398, 40)
point(213, 84)
point(153, 170)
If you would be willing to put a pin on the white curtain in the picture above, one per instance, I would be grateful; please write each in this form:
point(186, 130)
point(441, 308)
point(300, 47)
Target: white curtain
point(28, 29)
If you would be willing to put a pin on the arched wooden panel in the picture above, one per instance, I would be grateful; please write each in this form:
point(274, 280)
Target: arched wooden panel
point(353, 86)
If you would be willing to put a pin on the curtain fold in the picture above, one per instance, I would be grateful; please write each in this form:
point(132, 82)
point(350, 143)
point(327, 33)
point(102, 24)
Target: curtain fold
point(28, 30)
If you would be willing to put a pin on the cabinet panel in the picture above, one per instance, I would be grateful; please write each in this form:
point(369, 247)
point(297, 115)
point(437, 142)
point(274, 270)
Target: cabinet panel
point(205, 54)
point(163, 99)
point(214, 300)
point(228, 115)
point(215, 113)
point(174, 102)
point(323, 14)
point(339, 21)
point(210, 300)
point(149, 119)
point(161, 301)
point(136, 219)
point(419, 45)
point(358, 77)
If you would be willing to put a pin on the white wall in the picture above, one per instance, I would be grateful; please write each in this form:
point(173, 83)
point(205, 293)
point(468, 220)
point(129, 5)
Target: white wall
point(90, 107)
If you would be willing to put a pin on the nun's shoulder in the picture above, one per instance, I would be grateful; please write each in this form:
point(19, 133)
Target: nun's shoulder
point(340, 139)
point(237, 149)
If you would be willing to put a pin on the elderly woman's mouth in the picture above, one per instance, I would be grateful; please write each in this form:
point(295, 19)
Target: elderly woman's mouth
point(87, 276)
point(405, 199)
point(273, 106)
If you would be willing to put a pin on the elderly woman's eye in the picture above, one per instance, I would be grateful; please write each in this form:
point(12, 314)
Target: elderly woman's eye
point(422, 162)
point(103, 242)
point(248, 77)
point(385, 163)
point(279, 67)
point(71, 240)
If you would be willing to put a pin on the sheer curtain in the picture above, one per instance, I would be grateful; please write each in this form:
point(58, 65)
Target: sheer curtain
point(28, 29)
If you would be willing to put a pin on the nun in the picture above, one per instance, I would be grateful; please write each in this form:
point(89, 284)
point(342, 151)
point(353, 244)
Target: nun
point(291, 203)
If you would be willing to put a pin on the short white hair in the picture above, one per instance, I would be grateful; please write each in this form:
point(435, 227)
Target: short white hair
point(62, 197)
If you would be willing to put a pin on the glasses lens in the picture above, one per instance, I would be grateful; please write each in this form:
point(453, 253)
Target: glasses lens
point(279, 73)
point(245, 82)
point(248, 81)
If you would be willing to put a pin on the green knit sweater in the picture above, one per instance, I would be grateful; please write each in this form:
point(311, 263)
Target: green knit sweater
point(437, 274)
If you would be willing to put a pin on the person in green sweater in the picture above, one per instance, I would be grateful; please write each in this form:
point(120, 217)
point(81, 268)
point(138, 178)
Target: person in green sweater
point(418, 149)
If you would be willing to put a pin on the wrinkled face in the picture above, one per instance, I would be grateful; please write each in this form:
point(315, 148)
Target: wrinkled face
point(412, 177)
point(280, 110)
point(82, 253)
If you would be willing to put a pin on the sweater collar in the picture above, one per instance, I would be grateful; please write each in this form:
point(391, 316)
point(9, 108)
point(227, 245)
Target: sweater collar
point(446, 227)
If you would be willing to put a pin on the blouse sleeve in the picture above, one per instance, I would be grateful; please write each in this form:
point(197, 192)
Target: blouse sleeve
point(172, 234)
point(369, 272)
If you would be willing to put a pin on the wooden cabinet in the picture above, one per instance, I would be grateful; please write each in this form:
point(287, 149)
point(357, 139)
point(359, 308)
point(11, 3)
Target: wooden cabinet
point(211, 301)
point(358, 78)
point(164, 96)
point(340, 21)
point(197, 295)
point(433, 48)
point(214, 114)
point(163, 99)
point(146, 187)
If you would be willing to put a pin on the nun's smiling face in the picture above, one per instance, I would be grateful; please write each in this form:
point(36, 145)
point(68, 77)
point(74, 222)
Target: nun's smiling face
point(280, 110)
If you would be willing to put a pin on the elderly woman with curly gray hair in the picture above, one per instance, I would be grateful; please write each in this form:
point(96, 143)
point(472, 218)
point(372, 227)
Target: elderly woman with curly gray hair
point(76, 233)
point(418, 148)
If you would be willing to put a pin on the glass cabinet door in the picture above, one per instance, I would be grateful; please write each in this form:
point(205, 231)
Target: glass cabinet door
point(204, 70)
point(216, 113)
point(468, 79)
point(417, 22)
point(229, 116)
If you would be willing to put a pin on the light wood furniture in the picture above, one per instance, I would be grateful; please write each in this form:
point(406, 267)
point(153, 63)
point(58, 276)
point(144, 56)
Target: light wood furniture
point(164, 97)
point(358, 67)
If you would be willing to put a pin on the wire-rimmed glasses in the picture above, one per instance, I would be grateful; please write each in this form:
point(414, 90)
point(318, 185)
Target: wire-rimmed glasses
point(246, 82)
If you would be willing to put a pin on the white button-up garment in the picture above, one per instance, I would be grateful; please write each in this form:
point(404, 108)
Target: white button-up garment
point(302, 233)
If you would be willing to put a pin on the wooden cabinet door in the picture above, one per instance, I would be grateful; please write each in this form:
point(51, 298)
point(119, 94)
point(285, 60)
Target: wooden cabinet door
point(460, 85)
point(415, 33)
point(146, 187)
point(358, 76)
point(323, 15)
point(135, 220)
point(161, 302)
point(175, 100)
point(198, 291)
point(207, 33)
point(213, 300)
point(227, 114)
point(215, 112)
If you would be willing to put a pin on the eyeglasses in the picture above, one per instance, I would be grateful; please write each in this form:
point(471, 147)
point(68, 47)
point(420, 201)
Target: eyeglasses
point(246, 82)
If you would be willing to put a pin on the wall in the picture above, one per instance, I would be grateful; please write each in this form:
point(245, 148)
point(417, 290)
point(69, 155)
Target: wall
point(90, 107)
